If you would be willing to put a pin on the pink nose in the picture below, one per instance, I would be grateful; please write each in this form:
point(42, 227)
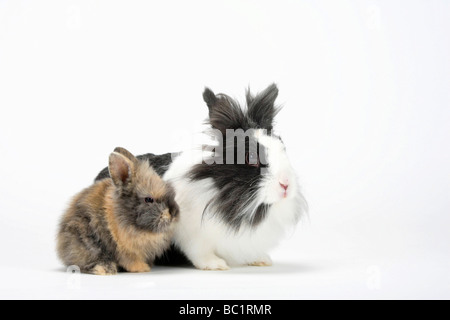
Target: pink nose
point(284, 186)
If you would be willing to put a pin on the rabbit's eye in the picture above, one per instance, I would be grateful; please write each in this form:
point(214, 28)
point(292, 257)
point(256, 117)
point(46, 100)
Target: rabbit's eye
point(149, 200)
point(252, 159)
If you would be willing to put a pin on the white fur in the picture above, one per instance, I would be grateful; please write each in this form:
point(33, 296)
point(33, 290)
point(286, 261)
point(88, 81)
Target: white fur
point(206, 240)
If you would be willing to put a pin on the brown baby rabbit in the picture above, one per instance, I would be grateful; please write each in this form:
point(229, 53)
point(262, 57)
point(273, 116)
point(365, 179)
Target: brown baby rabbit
point(122, 222)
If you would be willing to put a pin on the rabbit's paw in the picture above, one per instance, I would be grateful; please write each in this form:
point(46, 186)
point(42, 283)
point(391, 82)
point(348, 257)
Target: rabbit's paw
point(104, 269)
point(138, 267)
point(263, 261)
point(212, 263)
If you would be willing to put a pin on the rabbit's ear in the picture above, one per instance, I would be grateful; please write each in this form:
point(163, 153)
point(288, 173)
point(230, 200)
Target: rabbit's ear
point(224, 112)
point(127, 154)
point(121, 169)
point(210, 98)
point(262, 109)
point(249, 96)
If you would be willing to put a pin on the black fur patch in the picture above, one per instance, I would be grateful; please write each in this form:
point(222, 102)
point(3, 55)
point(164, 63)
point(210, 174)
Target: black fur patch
point(226, 113)
point(173, 257)
point(160, 163)
point(236, 203)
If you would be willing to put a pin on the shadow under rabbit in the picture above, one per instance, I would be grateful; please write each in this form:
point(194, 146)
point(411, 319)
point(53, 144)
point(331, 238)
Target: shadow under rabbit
point(277, 268)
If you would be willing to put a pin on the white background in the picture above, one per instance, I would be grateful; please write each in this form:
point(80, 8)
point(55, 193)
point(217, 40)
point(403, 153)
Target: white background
point(365, 88)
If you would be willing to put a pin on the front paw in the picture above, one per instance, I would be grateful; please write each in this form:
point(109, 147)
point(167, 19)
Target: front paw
point(264, 261)
point(138, 267)
point(212, 263)
point(104, 269)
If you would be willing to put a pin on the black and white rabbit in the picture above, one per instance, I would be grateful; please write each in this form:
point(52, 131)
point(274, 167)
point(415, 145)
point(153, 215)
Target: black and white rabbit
point(233, 212)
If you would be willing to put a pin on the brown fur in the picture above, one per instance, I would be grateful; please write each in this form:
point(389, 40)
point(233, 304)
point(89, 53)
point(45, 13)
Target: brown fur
point(132, 244)
point(100, 231)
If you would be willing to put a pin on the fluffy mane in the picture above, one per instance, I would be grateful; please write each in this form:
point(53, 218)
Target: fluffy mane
point(233, 180)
